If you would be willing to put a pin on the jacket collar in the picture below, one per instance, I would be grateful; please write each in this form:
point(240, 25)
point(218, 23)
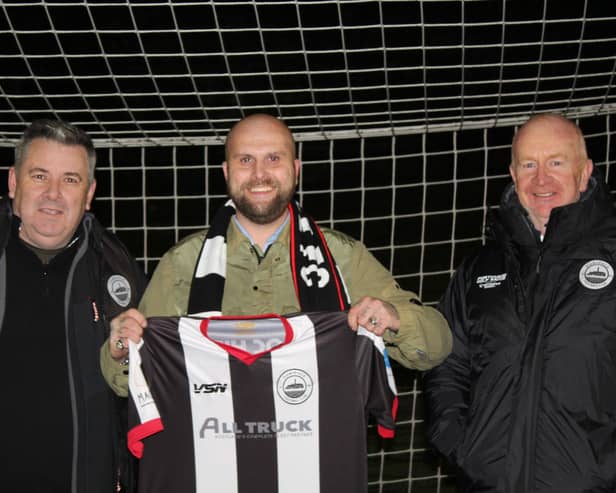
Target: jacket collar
point(235, 238)
point(567, 224)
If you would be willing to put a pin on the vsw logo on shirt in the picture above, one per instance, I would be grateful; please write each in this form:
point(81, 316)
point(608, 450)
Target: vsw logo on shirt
point(490, 281)
point(209, 388)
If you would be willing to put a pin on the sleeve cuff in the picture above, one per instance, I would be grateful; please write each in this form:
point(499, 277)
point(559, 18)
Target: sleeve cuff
point(423, 340)
point(114, 372)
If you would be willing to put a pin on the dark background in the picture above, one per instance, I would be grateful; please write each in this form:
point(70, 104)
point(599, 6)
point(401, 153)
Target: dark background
point(403, 112)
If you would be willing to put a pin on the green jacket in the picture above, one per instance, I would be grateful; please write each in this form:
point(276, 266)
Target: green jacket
point(424, 338)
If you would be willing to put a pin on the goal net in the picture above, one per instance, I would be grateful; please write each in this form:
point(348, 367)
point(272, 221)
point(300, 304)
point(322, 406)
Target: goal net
point(403, 112)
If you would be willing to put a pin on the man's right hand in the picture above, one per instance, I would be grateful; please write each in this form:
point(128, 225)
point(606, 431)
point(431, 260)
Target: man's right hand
point(127, 325)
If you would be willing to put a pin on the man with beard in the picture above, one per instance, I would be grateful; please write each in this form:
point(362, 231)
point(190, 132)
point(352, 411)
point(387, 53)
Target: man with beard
point(260, 253)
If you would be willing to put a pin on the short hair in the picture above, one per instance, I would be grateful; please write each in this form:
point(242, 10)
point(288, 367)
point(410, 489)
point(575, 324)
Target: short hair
point(57, 131)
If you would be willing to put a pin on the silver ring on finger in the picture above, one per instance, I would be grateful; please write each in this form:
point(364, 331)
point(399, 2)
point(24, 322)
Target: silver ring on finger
point(374, 321)
point(120, 345)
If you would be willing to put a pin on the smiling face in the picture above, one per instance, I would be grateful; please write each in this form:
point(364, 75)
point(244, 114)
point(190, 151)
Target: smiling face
point(549, 166)
point(261, 170)
point(50, 192)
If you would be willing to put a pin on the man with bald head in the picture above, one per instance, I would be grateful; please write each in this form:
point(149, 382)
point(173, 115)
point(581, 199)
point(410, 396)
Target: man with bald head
point(262, 256)
point(549, 166)
point(525, 402)
point(259, 223)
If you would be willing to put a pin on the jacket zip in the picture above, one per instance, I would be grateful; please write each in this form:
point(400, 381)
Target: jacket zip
point(2, 287)
point(536, 364)
point(71, 380)
point(539, 260)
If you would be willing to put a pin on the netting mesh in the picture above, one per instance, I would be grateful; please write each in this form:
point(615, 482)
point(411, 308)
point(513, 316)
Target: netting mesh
point(403, 112)
point(139, 73)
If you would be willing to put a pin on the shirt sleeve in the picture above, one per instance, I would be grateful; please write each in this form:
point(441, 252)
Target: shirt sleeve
point(424, 339)
point(377, 381)
point(143, 416)
point(114, 372)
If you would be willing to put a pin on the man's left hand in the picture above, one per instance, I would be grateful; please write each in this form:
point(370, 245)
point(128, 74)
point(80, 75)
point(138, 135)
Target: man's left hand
point(374, 315)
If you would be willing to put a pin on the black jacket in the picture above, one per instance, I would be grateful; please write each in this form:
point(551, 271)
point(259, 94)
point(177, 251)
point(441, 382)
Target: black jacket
point(526, 402)
point(99, 416)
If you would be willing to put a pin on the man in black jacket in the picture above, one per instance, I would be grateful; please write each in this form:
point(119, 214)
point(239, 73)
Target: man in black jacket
point(526, 402)
point(62, 277)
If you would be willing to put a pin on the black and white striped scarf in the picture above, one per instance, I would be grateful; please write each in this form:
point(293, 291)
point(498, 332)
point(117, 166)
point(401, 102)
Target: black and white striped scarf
point(317, 280)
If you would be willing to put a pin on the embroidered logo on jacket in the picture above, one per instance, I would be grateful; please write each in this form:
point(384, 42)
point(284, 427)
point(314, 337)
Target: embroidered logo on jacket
point(119, 289)
point(491, 280)
point(596, 274)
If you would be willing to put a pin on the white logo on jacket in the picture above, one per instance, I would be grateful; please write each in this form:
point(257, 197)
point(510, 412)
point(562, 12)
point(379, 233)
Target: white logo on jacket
point(596, 274)
point(119, 289)
point(490, 281)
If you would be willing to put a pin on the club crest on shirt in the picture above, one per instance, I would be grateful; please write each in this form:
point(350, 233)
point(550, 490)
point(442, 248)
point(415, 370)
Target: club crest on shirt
point(596, 274)
point(294, 386)
point(119, 289)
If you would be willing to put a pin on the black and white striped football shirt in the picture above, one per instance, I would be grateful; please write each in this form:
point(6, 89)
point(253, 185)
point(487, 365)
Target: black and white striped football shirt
point(260, 404)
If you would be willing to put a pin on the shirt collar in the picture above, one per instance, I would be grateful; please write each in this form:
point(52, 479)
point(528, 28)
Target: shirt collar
point(274, 236)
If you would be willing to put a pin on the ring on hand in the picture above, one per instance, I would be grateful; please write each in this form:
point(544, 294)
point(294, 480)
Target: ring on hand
point(120, 345)
point(374, 321)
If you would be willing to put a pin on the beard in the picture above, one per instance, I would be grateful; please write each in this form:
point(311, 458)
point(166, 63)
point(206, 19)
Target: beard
point(262, 213)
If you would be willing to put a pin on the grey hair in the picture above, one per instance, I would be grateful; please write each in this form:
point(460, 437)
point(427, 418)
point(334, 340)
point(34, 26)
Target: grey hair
point(57, 131)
